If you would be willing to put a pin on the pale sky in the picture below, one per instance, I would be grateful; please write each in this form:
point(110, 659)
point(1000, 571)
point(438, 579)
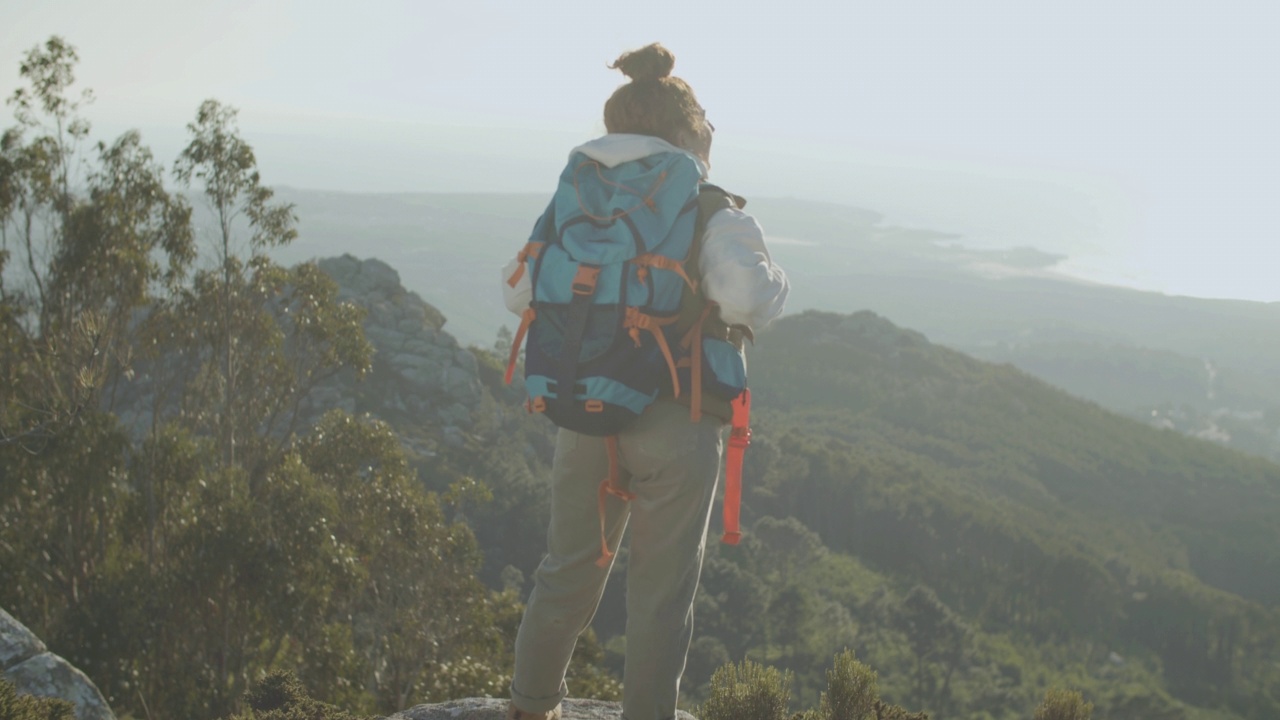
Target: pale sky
point(1138, 136)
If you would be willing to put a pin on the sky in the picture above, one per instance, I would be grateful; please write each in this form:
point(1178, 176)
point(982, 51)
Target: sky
point(1137, 137)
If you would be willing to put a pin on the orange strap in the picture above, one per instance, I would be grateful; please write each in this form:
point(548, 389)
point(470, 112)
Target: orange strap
point(532, 248)
point(635, 321)
point(663, 262)
point(525, 320)
point(739, 439)
point(609, 486)
point(692, 340)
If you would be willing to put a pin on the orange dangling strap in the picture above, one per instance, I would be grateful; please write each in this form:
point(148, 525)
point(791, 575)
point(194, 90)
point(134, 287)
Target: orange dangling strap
point(609, 486)
point(525, 320)
point(739, 439)
point(666, 353)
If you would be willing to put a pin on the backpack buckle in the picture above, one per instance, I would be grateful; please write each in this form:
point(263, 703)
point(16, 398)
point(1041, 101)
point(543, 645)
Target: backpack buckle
point(584, 282)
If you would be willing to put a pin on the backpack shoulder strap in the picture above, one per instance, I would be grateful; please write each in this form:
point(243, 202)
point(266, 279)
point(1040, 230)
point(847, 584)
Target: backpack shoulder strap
point(711, 200)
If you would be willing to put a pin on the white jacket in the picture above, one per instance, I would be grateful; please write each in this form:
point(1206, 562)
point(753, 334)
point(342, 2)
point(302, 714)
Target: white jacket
point(737, 271)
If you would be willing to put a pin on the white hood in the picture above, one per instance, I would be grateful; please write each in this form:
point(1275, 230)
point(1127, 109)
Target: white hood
point(616, 148)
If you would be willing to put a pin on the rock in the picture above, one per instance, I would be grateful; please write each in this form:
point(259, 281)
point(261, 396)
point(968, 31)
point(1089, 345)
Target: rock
point(494, 709)
point(17, 643)
point(35, 671)
point(420, 374)
point(426, 373)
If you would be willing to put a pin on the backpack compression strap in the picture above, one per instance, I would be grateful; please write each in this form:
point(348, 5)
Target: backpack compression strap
point(526, 319)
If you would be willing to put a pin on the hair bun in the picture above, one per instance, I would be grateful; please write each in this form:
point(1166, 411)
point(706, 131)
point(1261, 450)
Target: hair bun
point(651, 62)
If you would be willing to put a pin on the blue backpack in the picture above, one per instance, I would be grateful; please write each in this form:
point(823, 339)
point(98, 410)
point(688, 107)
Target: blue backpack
point(612, 264)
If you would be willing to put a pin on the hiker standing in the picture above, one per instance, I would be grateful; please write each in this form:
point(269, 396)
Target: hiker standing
point(636, 289)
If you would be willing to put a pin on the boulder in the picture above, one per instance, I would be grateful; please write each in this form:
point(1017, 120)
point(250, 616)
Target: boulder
point(34, 670)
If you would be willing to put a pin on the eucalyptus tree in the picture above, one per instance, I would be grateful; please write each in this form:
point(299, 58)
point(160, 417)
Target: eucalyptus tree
point(94, 238)
point(261, 336)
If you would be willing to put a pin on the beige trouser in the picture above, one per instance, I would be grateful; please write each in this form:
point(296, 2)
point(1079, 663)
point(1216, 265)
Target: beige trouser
point(672, 466)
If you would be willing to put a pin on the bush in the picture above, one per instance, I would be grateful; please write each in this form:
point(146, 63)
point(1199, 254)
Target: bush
point(281, 697)
point(747, 692)
point(1064, 705)
point(755, 692)
point(28, 707)
point(885, 711)
point(852, 690)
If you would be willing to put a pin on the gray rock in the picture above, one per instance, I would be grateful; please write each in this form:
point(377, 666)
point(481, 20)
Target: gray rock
point(35, 671)
point(493, 709)
point(457, 415)
point(17, 643)
point(462, 385)
point(415, 361)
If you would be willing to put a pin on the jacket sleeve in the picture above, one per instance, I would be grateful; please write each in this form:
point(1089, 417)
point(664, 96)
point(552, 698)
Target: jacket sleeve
point(516, 298)
point(738, 273)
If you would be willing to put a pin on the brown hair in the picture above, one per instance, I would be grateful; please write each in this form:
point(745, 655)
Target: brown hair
point(654, 102)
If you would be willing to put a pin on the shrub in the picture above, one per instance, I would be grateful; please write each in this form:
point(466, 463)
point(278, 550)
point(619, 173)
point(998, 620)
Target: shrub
point(28, 707)
point(1064, 705)
point(281, 697)
point(885, 711)
point(747, 692)
point(852, 690)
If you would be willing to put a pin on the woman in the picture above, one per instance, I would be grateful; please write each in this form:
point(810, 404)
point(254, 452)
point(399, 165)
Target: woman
point(672, 461)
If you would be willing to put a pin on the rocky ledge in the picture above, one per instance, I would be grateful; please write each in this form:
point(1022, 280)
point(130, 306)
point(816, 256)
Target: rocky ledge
point(33, 670)
point(491, 709)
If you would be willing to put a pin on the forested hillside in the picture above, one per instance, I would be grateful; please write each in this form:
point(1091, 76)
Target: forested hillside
point(977, 536)
point(1029, 513)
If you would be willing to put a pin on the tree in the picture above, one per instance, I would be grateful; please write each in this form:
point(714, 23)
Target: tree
point(852, 690)
point(936, 636)
point(95, 243)
point(258, 336)
point(86, 261)
point(423, 625)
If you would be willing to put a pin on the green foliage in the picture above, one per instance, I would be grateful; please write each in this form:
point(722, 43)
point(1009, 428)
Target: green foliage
point(89, 250)
point(1028, 513)
point(747, 691)
point(280, 696)
point(178, 560)
point(852, 690)
point(28, 707)
point(1063, 705)
point(885, 711)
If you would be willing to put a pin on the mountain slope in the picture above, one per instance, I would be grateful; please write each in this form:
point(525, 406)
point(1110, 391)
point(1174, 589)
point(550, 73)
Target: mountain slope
point(1024, 508)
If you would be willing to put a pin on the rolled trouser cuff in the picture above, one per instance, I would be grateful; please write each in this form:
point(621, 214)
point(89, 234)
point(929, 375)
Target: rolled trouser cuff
point(538, 704)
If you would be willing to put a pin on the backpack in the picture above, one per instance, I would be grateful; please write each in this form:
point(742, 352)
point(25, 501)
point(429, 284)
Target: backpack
point(616, 318)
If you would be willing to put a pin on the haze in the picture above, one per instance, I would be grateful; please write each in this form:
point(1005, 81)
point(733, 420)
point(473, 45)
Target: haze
point(1138, 137)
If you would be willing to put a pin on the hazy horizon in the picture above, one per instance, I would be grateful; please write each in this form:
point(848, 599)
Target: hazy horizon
point(1138, 140)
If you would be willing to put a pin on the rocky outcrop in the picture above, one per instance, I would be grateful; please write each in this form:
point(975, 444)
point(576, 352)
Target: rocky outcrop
point(33, 670)
point(421, 378)
point(491, 709)
point(420, 373)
